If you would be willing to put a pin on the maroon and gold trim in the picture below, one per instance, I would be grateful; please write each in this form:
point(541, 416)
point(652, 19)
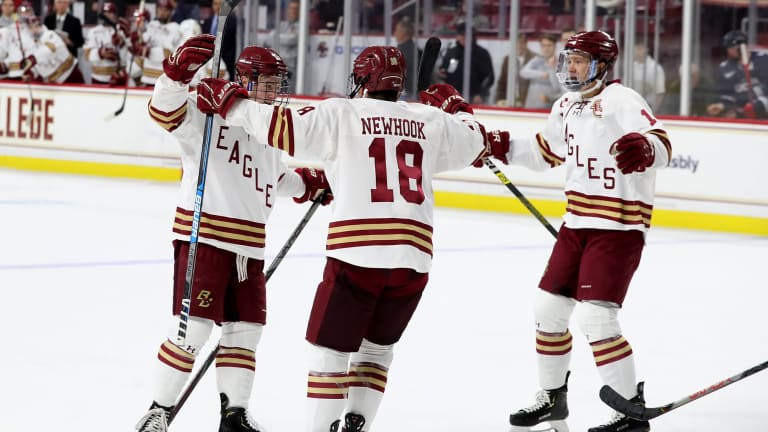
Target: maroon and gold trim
point(225, 229)
point(103, 70)
point(369, 375)
point(62, 69)
point(610, 350)
point(236, 358)
point(553, 343)
point(151, 73)
point(614, 209)
point(549, 156)
point(175, 357)
point(168, 120)
point(327, 385)
point(664, 138)
point(280, 134)
point(379, 232)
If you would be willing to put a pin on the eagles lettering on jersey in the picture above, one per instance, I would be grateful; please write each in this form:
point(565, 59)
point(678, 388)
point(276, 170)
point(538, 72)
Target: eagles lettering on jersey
point(578, 135)
point(382, 218)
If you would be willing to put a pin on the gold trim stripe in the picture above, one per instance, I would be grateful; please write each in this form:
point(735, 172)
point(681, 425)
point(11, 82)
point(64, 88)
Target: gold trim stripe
point(546, 152)
point(61, 69)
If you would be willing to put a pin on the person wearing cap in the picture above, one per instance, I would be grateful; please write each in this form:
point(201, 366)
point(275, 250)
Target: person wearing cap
point(738, 96)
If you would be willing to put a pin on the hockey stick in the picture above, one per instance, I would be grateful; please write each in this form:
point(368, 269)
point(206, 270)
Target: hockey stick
point(29, 84)
point(428, 60)
point(272, 267)
point(503, 178)
point(744, 54)
point(226, 7)
point(139, 21)
point(624, 406)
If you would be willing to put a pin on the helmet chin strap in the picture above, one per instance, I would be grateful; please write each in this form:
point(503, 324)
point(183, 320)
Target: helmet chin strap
point(595, 84)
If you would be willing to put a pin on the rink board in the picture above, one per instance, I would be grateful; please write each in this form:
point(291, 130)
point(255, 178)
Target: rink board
point(715, 181)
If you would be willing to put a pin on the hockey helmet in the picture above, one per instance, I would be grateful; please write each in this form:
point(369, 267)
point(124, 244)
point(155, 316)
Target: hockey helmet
point(25, 8)
point(255, 62)
point(733, 38)
point(378, 68)
point(143, 14)
point(596, 47)
point(109, 7)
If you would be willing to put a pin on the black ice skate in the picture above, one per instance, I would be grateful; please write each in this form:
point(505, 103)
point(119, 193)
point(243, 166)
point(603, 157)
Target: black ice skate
point(621, 423)
point(352, 423)
point(155, 420)
point(551, 406)
point(236, 419)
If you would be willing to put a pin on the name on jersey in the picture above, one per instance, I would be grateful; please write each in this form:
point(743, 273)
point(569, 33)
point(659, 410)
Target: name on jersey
point(393, 126)
point(25, 120)
point(245, 161)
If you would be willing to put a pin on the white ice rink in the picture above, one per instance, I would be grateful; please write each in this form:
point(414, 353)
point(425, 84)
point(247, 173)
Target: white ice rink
point(85, 277)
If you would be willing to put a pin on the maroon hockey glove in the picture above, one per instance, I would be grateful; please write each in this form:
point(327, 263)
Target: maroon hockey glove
point(445, 97)
point(216, 95)
point(119, 78)
point(315, 182)
point(182, 65)
point(3, 68)
point(633, 153)
point(124, 25)
point(27, 71)
point(497, 146)
point(117, 40)
point(108, 53)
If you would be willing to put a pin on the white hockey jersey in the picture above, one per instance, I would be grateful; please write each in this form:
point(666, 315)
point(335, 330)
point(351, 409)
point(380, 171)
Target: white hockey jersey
point(380, 158)
point(16, 50)
point(98, 37)
point(54, 61)
point(579, 134)
point(162, 40)
point(243, 178)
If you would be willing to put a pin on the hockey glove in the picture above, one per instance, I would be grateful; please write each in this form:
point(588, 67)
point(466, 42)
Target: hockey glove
point(108, 53)
point(445, 97)
point(27, 69)
point(182, 65)
point(315, 183)
point(497, 145)
point(633, 153)
point(118, 78)
point(216, 95)
point(3, 68)
point(117, 40)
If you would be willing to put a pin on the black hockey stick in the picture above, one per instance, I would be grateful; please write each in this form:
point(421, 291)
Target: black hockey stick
point(428, 60)
point(503, 178)
point(29, 84)
point(226, 8)
point(139, 21)
point(624, 406)
point(272, 267)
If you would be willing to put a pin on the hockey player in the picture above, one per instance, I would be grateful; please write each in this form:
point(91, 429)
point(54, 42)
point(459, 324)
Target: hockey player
point(16, 42)
point(244, 178)
point(737, 97)
point(48, 60)
point(380, 155)
point(154, 41)
point(611, 145)
point(103, 47)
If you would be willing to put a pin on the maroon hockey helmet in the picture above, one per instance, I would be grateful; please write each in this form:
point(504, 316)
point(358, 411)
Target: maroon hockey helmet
point(598, 47)
point(378, 68)
point(109, 7)
point(25, 8)
point(255, 61)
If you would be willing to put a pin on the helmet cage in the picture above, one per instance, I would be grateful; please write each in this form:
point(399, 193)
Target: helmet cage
point(575, 83)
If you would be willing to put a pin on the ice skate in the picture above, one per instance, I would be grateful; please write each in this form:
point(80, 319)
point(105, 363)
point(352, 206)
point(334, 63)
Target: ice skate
point(352, 423)
point(236, 419)
point(547, 414)
point(621, 423)
point(155, 420)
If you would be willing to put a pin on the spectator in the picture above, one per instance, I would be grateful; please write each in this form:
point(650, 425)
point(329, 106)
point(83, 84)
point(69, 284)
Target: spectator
point(7, 15)
point(524, 55)
point(565, 34)
point(480, 73)
point(228, 43)
point(186, 9)
point(103, 48)
point(648, 77)
point(285, 39)
point(66, 25)
point(737, 96)
point(404, 37)
point(544, 88)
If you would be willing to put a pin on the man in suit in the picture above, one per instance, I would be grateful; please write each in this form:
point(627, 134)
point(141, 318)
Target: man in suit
point(66, 25)
point(211, 24)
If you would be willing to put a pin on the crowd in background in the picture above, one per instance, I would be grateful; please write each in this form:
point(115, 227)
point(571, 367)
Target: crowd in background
point(119, 45)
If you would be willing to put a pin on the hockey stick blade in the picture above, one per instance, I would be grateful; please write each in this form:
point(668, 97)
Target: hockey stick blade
point(624, 406)
point(428, 60)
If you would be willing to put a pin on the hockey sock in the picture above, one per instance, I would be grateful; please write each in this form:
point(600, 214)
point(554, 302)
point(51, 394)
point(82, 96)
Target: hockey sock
point(236, 361)
point(171, 373)
point(368, 379)
point(616, 364)
point(327, 387)
point(553, 355)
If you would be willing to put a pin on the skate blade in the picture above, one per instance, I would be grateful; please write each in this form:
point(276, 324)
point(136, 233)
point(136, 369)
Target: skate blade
point(553, 426)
